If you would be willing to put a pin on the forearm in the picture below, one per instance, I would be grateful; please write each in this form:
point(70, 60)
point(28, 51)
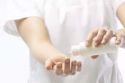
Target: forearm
point(34, 33)
point(44, 51)
point(121, 32)
point(121, 16)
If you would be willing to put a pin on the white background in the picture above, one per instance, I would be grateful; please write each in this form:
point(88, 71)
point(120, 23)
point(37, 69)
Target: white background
point(14, 60)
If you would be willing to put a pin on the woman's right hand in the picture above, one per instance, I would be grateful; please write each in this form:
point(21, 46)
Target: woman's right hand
point(62, 65)
point(35, 34)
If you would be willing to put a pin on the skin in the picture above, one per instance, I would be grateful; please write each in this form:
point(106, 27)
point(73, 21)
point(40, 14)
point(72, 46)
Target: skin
point(34, 33)
point(101, 36)
point(120, 34)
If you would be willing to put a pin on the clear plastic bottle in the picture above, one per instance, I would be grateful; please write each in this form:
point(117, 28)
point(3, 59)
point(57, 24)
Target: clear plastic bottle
point(81, 49)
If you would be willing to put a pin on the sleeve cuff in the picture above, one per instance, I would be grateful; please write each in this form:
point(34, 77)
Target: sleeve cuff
point(9, 26)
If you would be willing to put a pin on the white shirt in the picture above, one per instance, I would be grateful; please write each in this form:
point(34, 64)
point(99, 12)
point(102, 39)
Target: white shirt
point(69, 22)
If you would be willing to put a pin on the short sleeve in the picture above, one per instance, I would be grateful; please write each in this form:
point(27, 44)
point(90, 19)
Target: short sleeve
point(116, 4)
point(17, 9)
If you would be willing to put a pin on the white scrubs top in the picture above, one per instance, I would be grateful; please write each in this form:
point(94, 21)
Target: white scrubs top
point(68, 23)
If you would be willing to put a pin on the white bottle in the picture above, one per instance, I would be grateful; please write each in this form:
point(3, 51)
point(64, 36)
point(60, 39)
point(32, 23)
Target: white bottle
point(81, 49)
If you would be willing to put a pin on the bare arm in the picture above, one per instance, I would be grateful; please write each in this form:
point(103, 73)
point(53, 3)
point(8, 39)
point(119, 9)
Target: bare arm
point(101, 36)
point(34, 33)
point(121, 15)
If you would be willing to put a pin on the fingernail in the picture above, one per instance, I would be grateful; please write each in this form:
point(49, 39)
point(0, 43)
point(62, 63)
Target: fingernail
point(67, 60)
point(79, 69)
point(86, 44)
point(74, 63)
point(73, 73)
point(94, 57)
point(49, 68)
point(59, 66)
point(79, 66)
point(95, 44)
point(59, 73)
point(103, 42)
point(117, 42)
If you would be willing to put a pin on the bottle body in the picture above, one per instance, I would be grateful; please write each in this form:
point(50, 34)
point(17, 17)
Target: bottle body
point(81, 49)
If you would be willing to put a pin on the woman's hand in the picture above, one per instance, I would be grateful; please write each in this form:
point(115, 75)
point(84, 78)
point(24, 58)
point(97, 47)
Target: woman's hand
point(120, 37)
point(62, 65)
point(35, 34)
point(99, 36)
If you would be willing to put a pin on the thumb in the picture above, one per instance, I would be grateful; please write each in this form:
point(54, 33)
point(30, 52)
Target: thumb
point(49, 64)
point(94, 57)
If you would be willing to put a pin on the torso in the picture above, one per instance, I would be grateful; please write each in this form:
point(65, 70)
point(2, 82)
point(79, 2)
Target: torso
point(68, 23)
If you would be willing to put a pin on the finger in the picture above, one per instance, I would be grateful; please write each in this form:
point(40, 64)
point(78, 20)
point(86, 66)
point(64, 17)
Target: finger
point(58, 69)
point(118, 40)
point(97, 40)
point(73, 67)
point(79, 66)
point(67, 66)
point(107, 37)
point(49, 65)
point(91, 37)
point(94, 56)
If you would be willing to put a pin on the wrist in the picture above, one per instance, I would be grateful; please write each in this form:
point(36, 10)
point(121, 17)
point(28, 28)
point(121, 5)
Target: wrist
point(45, 51)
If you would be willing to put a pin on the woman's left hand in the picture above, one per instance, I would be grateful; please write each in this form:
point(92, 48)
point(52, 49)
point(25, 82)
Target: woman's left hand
point(99, 36)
